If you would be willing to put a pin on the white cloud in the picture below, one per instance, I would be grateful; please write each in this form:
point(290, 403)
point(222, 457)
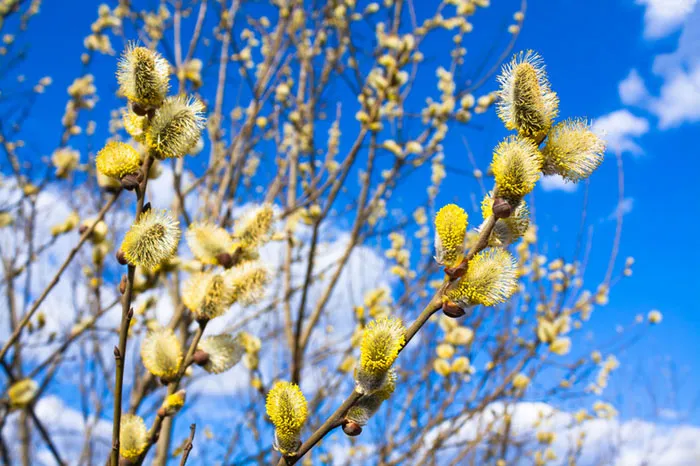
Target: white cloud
point(633, 442)
point(620, 129)
point(662, 17)
point(632, 89)
point(557, 183)
point(623, 207)
point(679, 99)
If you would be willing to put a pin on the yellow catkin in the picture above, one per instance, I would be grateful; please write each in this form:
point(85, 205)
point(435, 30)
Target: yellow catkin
point(118, 159)
point(224, 352)
point(450, 231)
point(526, 102)
point(287, 409)
point(516, 167)
point(490, 279)
point(143, 76)
point(161, 353)
point(151, 240)
point(207, 241)
point(176, 127)
point(572, 150)
point(133, 436)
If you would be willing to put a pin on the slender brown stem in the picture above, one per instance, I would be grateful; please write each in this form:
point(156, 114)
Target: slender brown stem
point(54, 281)
point(188, 446)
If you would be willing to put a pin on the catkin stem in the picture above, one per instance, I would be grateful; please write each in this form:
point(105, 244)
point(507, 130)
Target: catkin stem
point(120, 351)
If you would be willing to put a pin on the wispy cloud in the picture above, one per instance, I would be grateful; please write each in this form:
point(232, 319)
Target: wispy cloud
point(557, 183)
point(620, 129)
point(663, 17)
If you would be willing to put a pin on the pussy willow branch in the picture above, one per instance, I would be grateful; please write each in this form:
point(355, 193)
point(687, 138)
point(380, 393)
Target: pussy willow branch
point(120, 351)
point(188, 446)
point(435, 304)
point(54, 281)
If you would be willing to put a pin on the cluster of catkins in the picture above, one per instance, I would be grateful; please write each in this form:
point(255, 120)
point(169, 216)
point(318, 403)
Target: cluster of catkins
point(227, 268)
point(488, 277)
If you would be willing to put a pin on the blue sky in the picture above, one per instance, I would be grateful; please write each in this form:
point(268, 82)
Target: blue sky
point(631, 65)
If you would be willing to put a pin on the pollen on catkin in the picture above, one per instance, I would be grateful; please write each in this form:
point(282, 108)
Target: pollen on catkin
point(143, 76)
point(133, 436)
point(507, 230)
point(135, 125)
point(151, 240)
point(173, 403)
point(382, 340)
point(572, 150)
point(161, 352)
point(223, 352)
point(207, 241)
point(450, 231)
point(368, 405)
point(118, 159)
point(207, 295)
point(516, 167)
point(526, 101)
point(22, 392)
point(491, 279)
point(254, 228)
point(247, 281)
point(287, 409)
point(175, 127)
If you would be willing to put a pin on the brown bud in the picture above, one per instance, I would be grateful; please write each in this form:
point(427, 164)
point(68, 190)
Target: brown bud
point(161, 412)
point(122, 284)
point(225, 260)
point(130, 313)
point(125, 462)
point(139, 109)
point(146, 207)
point(130, 181)
point(457, 271)
point(121, 258)
point(117, 353)
point(501, 208)
point(352, 429)
point(82, 229)
point(451, 309)
point(200, 357)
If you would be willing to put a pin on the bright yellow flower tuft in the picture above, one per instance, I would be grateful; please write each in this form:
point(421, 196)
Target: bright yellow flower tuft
point(224, 352)
point(207, 241)
point(22, 392)
point(572, 150)
point(117, 159)
point(173, 403)
point(176, 127)
point(152, 240)
point(287, 409)
point(65, 160)
point(521, 381)
point(655, 317)
point(143, 76)
point(133, 436)
point(135, 125)
point(490, 279)
point(381, 342)
point(255, 227)
point(247, 281)
point(207, 295)
point(450, 231)
point(560, 346)
point(526, 101)
point(516, 167)
point(161, 352)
